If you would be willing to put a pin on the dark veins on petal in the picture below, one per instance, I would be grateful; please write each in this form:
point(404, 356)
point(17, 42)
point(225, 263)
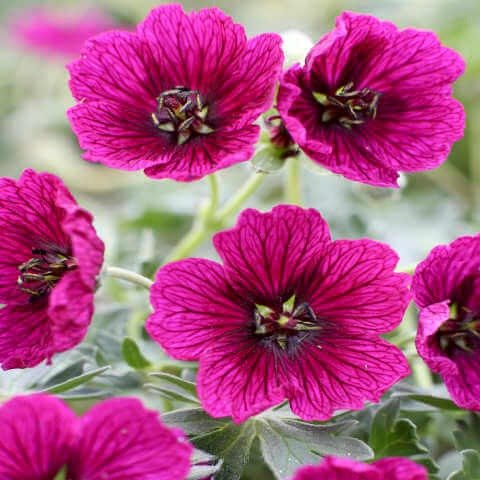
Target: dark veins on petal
point(285, 329)
point(39, 274)
point(461, 332)
point(346, 106)
point(182, 114)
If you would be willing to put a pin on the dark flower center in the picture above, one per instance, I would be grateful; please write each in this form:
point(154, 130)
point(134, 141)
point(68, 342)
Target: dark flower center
point(39, 275)
point(347, 106)
point(181, 113)
point(460, 332)
point(287, 328)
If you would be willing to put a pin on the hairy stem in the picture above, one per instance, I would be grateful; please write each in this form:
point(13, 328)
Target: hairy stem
point(293, 191)
point(128, 276)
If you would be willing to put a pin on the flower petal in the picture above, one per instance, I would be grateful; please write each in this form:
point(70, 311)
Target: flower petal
point(120, 440)
point(342, 372)
point(117, 135)
point(353, 286)
point(115, 66)
point(199, 50)
point(436, 278)
point(333, 468)
point(194, 306)
point(208, 154)
point(265, 252)
point(239, 378)
point(396, 468)
point(37, 437)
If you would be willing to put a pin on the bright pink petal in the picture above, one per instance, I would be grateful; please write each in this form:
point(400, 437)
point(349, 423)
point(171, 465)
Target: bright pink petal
point(439, 275)
point(25, 335)
point(396, 468)
point(353, 285)
point(118, 135)
point(70, 311)
point(265, 252)
point(333, 468)
point(115, 66)
point(120, 440)
point(206, 155)
point(250, 91)
point(342, 372)
point(193, 307)
point(239, 379)
point(199, 50)
point(37, 437)
point(461, 370)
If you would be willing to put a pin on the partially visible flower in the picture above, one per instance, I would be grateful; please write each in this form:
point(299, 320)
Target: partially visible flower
point(373, 100)
point(117, 439)
point(290, 314)
point(50, 256)
point(446, 288)
point(178, 98)
point(393, 468)
point(51, 33)
point(280, 137)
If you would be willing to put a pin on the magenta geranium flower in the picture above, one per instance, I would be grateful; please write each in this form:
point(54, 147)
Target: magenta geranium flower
point(50, 257)
point(373, 100)
point(446, 288)
point(290, 314)
point(55, 34)
point(117, 439)
point(393, 468)
point(178, 97)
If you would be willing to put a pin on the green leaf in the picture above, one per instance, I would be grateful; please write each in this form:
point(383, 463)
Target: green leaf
point(132, 354)
point(468, 434)
point(288, 444)
point(470, 468)
point(172, 387)
point(434, 401)
point(193, 421)
point(76, 381)
point(232, 444)
point(391, 436)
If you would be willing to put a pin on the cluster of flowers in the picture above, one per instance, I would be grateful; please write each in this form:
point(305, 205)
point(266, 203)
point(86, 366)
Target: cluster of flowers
point(290, 313)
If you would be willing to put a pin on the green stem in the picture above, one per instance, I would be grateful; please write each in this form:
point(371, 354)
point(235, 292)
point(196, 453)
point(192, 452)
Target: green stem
point(128, 276)
point(234, 204)
point(201, 225)
point(293, 192)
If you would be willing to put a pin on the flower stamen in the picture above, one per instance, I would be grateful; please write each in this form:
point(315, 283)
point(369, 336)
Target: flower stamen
point(181, 112)
point(39, 275)
point(348, 107)
point(287, 327)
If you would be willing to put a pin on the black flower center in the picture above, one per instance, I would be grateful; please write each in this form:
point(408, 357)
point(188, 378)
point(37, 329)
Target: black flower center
point(182, 114)
point(39, 275)
point(347, 106)
point(285, 329)
point(460, 332)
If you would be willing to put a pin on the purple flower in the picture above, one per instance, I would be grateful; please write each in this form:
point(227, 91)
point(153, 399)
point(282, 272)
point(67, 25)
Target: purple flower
point(373, 100)
point(50, 257)
point(393, 468)
point(290, 314)
point(178, 97)
point(117, 439)
point(446, 288)
point(53, 34)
